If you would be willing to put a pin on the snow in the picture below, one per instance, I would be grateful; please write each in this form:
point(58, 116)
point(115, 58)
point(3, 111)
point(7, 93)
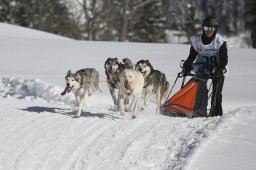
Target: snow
point(38, 131)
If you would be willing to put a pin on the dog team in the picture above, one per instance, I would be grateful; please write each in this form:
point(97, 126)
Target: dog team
point(129, 81)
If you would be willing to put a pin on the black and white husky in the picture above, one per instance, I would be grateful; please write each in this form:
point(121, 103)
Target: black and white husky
point(79, 83)
point(113, 68)
point(155, 82)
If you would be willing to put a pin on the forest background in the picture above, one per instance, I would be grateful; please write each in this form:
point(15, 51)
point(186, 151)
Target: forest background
point(153, 21)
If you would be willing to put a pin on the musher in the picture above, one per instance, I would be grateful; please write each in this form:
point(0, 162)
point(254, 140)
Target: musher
point(209, 48)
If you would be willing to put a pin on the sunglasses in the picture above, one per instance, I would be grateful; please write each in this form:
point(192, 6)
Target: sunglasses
point(210, 29)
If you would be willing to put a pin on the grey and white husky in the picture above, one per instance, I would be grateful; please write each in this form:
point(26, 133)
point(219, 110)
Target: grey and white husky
point(113, 68)
point(79, 83)
point(155, 83)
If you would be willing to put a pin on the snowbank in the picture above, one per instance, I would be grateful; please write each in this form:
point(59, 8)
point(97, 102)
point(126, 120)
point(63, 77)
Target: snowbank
point(31, 89)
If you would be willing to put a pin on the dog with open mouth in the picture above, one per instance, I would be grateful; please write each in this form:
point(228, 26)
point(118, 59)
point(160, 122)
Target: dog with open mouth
point(113, 68)
point(155, 83)
point(131, 85)
point(80, 83)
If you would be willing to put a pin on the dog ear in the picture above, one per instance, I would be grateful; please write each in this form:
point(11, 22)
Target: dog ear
point(116, 60)
point(125, 60)
point(69, 73)
point(148, 63)
point(137, 65)
point(77, 77)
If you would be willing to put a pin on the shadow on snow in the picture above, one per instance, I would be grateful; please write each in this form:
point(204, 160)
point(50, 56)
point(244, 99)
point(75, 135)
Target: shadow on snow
point(39, 109)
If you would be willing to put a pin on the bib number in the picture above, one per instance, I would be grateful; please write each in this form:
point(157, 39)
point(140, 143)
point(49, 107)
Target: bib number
point(210, 60)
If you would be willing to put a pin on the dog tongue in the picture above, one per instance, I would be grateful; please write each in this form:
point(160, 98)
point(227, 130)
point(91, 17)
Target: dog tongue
point(127, 86)
point(113, 72)
point(65, 91)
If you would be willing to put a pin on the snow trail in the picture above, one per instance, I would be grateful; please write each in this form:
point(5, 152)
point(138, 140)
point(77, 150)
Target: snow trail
point(43, 135)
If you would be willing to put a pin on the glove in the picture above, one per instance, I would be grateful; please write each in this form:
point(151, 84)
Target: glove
point(218, 73)
point(187, 67)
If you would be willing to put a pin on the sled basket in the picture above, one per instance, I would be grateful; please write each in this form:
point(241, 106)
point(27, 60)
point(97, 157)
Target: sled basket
point(190, 101)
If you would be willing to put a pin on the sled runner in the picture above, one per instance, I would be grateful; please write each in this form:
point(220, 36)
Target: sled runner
point(192, 99)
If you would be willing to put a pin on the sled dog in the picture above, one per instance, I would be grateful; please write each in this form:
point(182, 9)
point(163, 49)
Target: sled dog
point(155, 83)
point(131, 84)
point(112, 69)
point(79, 83)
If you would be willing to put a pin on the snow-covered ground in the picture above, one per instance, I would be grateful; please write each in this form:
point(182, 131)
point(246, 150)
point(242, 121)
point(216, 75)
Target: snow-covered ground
point(38, 131)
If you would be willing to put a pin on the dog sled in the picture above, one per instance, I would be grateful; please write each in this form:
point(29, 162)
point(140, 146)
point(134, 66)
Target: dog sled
point(192, 98)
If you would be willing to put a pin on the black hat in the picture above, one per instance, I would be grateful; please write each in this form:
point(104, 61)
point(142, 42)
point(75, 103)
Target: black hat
point(210, 21)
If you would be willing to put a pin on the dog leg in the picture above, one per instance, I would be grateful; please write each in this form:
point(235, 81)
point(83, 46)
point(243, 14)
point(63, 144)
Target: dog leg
point(80, 100)
point(112, 92)
point(93, 87)
point(89, 91)
point(96, 83)
point(158, 100)
point(147, 96)
point(97, 86)
point(126, 103)
point(146, 100)
point(134, 106)
point(121, 98)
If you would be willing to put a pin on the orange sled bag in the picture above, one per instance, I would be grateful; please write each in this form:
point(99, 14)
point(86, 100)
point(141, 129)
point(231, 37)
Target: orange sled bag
point(190, 101)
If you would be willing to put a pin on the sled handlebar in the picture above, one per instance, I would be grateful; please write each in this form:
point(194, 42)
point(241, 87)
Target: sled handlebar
point(207, 67)
point(182, 74)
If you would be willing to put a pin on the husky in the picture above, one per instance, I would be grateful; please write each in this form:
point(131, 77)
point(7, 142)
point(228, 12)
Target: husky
point(155, 83)
point(79, 83)
point(131, 84)
point(113, 68)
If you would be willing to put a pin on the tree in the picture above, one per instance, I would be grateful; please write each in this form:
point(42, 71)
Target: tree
point(146, 21)
point(250, 19)
point(184, 16)
point(125, 17)
point(125, 20)
point(48, 15)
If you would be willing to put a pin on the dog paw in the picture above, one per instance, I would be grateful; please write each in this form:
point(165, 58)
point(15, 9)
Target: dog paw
point(77, 116)
point(114, 108)
point(127, 109)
